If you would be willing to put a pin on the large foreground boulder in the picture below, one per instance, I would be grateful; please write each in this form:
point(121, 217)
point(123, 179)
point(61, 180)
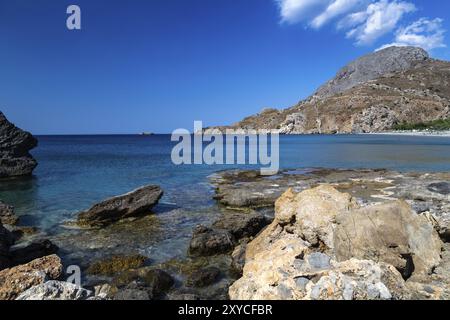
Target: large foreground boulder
point(315, 277)
point(15, 144)
point(133, 204)
point(15, 281)
point(389, 232)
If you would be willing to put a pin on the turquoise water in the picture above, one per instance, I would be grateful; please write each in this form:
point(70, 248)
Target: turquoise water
point(75, 172)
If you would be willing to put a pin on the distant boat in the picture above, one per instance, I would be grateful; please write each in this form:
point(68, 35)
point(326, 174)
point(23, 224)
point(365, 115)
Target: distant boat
point(147, 134)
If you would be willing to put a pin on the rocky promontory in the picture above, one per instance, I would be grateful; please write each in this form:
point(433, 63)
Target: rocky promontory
point(375, 93)
point(15, 144)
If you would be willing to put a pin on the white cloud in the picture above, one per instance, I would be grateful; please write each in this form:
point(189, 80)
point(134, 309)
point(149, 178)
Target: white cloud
point(335, 9)
point(365, 21)
point(425, 33)
point(294, 11)
point(378, 19)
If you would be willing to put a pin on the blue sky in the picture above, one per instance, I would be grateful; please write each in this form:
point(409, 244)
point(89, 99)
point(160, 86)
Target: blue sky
point(158, 65)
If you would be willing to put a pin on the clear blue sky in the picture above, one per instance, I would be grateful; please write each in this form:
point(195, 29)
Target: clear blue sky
point(158, 65)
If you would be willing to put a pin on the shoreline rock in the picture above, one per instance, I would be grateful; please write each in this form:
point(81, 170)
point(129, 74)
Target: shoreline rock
point(130, 205)
point(17, 280)
point(324, 245)
point(15, 144)
point(55, 290)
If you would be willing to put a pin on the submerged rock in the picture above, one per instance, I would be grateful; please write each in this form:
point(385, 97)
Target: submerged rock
point(7, 215)
point(144, 283)
point(116, 264)
point(131, 205)
point(15, 144)
point(241, 225)
point(35, 250)
point(208, 242)
point(158, 282)
point(440, 187)
point(203, 277)
point(322, 245)
point(56, 290)
point(17, 280)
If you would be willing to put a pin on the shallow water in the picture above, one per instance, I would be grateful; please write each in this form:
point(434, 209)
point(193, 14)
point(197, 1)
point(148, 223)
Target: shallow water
point(75, 172)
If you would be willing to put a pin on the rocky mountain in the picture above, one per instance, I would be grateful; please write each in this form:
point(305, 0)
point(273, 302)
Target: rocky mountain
point(372, 94)
point(15, 144)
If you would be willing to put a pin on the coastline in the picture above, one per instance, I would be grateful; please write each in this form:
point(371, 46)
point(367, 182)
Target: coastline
point(418, 133)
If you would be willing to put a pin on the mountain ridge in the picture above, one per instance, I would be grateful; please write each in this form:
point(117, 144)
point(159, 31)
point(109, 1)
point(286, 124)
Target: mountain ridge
point(371, 94)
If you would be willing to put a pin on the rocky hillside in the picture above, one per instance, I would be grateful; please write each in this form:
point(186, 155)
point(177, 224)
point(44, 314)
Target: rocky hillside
point(372, 94)
point(15, 144)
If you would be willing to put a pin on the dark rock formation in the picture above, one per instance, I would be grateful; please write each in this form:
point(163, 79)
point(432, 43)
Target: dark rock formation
point(146, 283)
point(134, 204)
point(241, 225)
point(208, 242)
point(6, 240)
point(440, 187)
point(158, 282)
point(15, 144)
point(203, 277)
point(35, 250)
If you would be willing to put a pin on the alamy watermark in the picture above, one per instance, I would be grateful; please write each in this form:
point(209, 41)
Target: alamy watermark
point(213, 147)
point(73, 21)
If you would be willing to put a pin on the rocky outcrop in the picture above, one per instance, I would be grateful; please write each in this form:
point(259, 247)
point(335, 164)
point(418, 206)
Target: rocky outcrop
point(56, 290)
point(372, 66)
point(15, 144)
point(372, 94)
point(17, 280)
point(312, 213)
point(241, 225)
point(225, 233)
point(324, 244)
point(391, 233)
point(425, 192)
point(131, 205)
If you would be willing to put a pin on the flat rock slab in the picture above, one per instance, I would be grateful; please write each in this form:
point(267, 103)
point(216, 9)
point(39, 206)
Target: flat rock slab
point(425, 192)
point(133, 204)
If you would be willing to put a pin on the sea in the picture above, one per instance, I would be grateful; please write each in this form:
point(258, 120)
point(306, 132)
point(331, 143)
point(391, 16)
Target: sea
point(75, 172)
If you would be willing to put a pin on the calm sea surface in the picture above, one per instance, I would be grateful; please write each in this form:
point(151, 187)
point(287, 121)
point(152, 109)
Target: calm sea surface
point(75, 172)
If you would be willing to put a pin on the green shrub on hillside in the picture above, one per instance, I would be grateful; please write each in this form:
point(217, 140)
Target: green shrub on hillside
point(437, 125)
